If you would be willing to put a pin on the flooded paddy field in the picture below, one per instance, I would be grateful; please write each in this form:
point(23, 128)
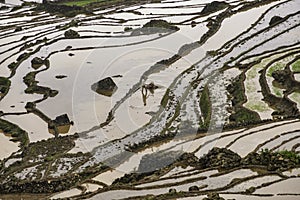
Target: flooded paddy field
point(183, 99)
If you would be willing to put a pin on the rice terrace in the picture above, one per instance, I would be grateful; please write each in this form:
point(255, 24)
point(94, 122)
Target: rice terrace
point(150, 99)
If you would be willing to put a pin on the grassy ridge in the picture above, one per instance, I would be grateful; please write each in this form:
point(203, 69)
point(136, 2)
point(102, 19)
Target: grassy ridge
point(15, 132)
point(83, 2)
point(205, 106)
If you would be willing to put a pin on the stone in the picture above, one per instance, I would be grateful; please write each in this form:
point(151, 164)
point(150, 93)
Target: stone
point(61, 124)
point(274, 20)
point(214, 6)
point(194, 188)
point(70, 34)
point(37, 62)
point(172, 191)
point(60, 76)
point(62, 120)
point(155, 26)
point(22, 57)
point(18, 29)
point(106, 87)
point(30, 106)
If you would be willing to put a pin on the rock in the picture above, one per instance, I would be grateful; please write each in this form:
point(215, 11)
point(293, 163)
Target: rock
point(282, 77)
point(70, 34)
point(214, 6)
point(193, 24)
point(194, 188)
point(155, 26)
point(274, 20)
point(22, 57)
point(117, 76)
point(61, 124)
point(250, 190)
point(60, 76)
point(126, 29)
point(62, 120)
point(4, 8)
point(30, 106)
point(159, 23)
point(18, 29)
point(37, 62)
point(105, 87)
point(221, 158)
point(172, 191)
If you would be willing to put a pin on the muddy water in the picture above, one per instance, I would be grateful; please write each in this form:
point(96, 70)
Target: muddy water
point(91, 187)
point(16, 99)
point(9, 146)
point(67, 193)
point(253, 183)
point(290, 186)
point(35, 133)
point(121, 194)
point(173, 180)
point(240, 22)
point(246, 144)
point(13, 2)
point(88, 109)
point(279, 140)
point(251, 197)
point(218, 181)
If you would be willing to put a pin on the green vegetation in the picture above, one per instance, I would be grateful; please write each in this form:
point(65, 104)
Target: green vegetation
point(278, 92)
point(205, 106)
point(83, 2)
point(290, 155)
point(159, 23)
point(165, 98)
point(296, 66)
point(252, 73)
point(60, 9)
point(12, 65)
point(236, 89)
point(99, 3)
point(4, 86)
point(295, 97)
point(257, 106)
point(17, 134)
point(155, 26)
point(73, 23)
point(214, 6)
point(273, 161)
point(241, 114)
point(244, 115)
point(32, 86)
point(275, 67)
point(71, 34)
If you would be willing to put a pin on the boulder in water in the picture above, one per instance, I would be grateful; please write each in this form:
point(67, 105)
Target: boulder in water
point(106, 87)
point(70, 34)
point(275, 20)
point(37, 62)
